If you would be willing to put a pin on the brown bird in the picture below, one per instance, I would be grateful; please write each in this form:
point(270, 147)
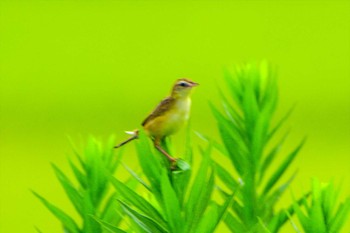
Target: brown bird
point(168, 117)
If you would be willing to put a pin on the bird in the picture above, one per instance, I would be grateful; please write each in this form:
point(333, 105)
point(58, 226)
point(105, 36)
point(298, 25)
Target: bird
point(168, 117)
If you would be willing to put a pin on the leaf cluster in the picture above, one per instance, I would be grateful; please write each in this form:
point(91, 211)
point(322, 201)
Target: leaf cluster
point(88, 189)
point(158, 199)
point(246, 130)
point(172, 203)
point(320, 214)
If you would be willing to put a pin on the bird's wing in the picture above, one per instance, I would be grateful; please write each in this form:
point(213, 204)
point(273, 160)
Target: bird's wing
point(164, 106)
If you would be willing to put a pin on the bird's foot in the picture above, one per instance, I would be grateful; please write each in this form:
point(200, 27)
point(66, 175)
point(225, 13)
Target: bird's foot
point(173, 164)
point(179, 165)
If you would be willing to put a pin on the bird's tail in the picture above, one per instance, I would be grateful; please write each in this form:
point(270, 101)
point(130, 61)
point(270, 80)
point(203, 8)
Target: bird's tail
point(135, 135)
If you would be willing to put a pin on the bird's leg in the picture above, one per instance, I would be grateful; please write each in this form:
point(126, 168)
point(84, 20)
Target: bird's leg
point(135, 136)
point(161, 150)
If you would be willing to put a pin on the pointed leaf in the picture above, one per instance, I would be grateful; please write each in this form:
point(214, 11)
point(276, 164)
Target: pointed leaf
point(263, 226)
point(109, 227)
point(66, 221)
point(281, 122)
point(171, 205)
point(340, 217)
point(281, 217)
point(234, 224)
point(73, 195)
point(137, 177)
point(282, 168)
point(150, 165)
point(213, 216)
point(78, 175)
point(133, 198)
point(199, 193)
point(38, 230)
point(275, 196)
point(108, 213)
point(226, 177)
point(144, 222)
point(271, 156)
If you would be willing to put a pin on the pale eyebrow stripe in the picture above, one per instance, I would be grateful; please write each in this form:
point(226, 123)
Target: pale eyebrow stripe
point(183, 82)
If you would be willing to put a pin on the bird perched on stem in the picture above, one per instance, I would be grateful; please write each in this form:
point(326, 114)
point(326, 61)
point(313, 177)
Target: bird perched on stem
point(168, 117)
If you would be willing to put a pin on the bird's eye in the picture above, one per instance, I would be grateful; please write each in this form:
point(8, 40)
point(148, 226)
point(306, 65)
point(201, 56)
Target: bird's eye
point(183, 84)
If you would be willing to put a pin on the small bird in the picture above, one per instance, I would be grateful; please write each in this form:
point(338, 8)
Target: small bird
point(168, 117)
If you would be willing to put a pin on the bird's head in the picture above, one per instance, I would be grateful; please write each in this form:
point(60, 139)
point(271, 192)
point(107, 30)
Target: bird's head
point(183, 87)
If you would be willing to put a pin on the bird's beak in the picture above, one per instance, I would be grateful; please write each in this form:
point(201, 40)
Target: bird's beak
point(193, 84)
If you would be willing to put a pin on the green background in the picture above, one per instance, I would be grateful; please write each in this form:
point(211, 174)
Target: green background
point(99, 67)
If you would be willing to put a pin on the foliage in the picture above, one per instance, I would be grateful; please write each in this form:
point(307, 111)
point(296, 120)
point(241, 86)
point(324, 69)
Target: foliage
point(246, 132)
point(183, 200)
point(90, 196)
point(321, 215)
point(172, 202)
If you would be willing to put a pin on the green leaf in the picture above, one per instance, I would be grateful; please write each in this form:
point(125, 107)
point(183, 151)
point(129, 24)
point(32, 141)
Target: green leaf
point(144, 222)
point(171, 205)
point(282, 168)
point(280, 123)
point(183, 165)
point(329, 196)
point(131, 197)
point(108, 213)
point(111, 162)
point(263, 226)
point(250, 109)
point(150, 165)
point(226, 177)
point(109, 227)
point(241, 140)
point(215, 144)
point(200, 192)
point(281, 217)
point(203, 201)
point(304, 220)
point(137, 177)
point(180, 181)
point(73, 195)
point(66, 221)
point(271, 156)
point(38, 230)
point(78, 175)
point(188, 145)
point(340, 217)
point(213, 216)
point(271, 200)
point(233, 115)
point(234, 87)
point(95, 171)
point(76, 153)
point(89, 223)
point(232, 141)
point(209, 220)
point(234, 224)
point(317, 220)
point(259, 137)
point(239, 210)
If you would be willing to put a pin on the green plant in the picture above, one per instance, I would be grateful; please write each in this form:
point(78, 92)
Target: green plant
point(159, 199)
point(321, 215)
point(173, 203)
point(90, 196)
point(246, 132)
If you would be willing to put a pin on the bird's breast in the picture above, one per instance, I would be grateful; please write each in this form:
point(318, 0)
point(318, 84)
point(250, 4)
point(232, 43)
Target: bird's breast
point(177, 116)
point(183, 105)
point(171, 121)
point(181, 111)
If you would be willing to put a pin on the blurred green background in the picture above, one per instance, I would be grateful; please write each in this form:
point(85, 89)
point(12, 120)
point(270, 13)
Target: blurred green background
point(99, 67)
